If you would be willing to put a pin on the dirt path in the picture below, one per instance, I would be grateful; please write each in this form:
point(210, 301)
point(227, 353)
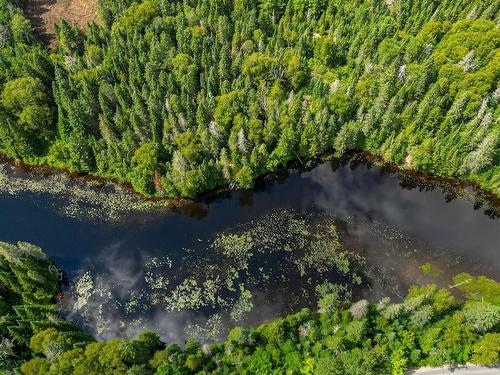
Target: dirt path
point(45, 14)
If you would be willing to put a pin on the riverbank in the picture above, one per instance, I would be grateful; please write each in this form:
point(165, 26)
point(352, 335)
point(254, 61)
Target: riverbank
point(428, 327)
point(85, 196)
point(451, 187)
point(393, 222)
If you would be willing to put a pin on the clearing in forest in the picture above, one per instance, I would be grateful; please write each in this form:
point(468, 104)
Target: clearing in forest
point(45, 14)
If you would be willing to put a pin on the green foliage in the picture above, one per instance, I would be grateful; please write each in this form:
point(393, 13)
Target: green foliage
point(482, 316)
point(244, 177)
point(355, 331)
point(258, 66)
point(21, 29)
point(238, 336)
point(478, 288)
point(145, 163)
point(27, 104)
point(429, 327)
point(28, 316)
point(487, 350)
point(182, 98)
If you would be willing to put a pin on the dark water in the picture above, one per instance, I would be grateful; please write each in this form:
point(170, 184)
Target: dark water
point(393, 222)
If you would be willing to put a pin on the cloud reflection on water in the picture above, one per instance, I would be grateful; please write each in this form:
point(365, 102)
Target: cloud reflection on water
point(425, 215)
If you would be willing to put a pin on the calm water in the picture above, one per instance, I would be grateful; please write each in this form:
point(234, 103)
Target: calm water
point(147, 269)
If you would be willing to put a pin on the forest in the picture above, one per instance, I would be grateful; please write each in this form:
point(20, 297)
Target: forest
point(430, 326)
point(181, 97)
point(178, 98)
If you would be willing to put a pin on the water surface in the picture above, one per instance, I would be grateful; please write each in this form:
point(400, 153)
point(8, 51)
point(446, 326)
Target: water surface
point(240, 258)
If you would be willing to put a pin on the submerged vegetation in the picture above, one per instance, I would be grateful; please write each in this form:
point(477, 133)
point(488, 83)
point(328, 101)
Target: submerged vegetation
point(182, 97)
point(84, 199)
point(429, 326)
point(221, 275)
point(179, 97)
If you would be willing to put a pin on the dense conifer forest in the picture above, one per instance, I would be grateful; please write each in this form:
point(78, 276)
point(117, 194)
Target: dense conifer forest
point(179, 97)
point(428, 327)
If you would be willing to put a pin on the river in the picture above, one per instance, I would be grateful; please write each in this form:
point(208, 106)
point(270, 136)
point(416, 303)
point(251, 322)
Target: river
point(245, 257)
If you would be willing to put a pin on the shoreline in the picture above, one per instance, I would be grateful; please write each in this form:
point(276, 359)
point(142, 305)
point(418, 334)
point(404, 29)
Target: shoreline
point(458, 186)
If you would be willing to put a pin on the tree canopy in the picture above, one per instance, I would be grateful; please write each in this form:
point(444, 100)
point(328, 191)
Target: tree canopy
point(429, 327)
point(224, 92)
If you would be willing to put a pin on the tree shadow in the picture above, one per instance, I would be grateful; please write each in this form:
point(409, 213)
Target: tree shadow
point(35, 11)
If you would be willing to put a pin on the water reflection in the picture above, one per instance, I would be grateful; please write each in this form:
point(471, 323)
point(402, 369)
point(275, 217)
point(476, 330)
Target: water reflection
point(442, 220)
point(129, 254)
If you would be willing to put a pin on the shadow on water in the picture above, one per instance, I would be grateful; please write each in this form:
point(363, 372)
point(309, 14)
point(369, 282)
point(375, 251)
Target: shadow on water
point(135, 263)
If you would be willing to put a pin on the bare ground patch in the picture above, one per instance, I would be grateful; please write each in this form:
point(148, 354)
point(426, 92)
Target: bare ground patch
point(45, 14)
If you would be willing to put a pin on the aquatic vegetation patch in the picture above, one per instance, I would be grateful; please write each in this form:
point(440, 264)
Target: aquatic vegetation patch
point(429, 269)
point(223, 275)
point(273, 262)
point(235, 246)
point(213, 327)
point(242, 306)
point(88, 199)
point(191, 294)
point(308, 241)
point(154, 279)
point(323, 252)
